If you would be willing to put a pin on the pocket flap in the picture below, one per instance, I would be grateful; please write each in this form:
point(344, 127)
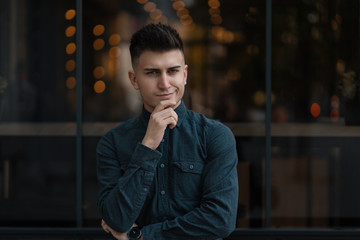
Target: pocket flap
point(190, 167)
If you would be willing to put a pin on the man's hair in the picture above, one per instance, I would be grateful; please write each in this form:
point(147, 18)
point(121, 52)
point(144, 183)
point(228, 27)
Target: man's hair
point(154, 37)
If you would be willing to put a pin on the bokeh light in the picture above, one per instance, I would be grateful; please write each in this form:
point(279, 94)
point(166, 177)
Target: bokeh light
point(114, 39)
point(98, 30)
point(259, 98)
point(315, 110)
point(340, 66)
point(70, 65)
point(99, 86)
point(70, 31)
point(114, 52)
point(178, 5)
point(334, 115)
point(99, 72)
point(335, 101)
point(70, 14)
point(70, 48)
point(149, 6)
point(98, 44)
point(70, 82)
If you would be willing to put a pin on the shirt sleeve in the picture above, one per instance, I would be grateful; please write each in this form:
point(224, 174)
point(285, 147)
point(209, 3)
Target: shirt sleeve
point(123, 185)
point(216, 215)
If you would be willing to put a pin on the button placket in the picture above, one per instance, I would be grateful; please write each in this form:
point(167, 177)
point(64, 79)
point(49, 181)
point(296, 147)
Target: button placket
point(163, 174)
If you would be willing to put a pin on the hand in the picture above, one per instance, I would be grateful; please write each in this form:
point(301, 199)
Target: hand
point(162, 116)
point(115, 234)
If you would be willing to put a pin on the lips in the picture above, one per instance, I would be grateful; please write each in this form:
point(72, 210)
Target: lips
point(165, 95)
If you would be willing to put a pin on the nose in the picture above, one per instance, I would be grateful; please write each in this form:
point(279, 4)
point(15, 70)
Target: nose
point(163, 81)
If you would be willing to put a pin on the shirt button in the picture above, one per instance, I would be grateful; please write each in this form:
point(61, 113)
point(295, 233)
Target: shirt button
point(163, 140)
point(191, 166)
point(162, 192)
point(162, 165)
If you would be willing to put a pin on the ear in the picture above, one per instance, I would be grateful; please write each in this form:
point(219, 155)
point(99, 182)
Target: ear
point(132, 78)
point(185, 73)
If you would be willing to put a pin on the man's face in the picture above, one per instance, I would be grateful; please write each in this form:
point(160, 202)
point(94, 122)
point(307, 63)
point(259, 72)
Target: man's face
point(159, 76)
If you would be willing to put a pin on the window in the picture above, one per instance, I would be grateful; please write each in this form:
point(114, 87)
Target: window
point(307, 141)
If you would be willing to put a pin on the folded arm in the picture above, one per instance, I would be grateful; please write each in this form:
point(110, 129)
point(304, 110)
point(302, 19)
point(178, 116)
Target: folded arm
point(123, 187)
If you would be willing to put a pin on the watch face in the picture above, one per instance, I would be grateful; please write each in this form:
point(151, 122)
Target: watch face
point(134, 233)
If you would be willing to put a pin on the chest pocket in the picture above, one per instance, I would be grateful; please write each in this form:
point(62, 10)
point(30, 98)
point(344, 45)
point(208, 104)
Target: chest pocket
point(187, 182)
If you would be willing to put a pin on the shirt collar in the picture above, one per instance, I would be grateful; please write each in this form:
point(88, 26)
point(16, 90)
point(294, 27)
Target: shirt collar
point(180, 111)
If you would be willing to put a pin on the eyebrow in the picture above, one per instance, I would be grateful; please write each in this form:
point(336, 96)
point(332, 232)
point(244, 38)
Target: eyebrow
point(157, 69)
point(177, 66)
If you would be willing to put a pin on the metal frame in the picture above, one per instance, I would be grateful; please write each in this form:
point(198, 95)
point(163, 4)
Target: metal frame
point(79, 113)
point(268, 117)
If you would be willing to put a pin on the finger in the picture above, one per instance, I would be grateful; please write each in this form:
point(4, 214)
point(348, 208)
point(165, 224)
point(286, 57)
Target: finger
point(164, 104)
point(171, 122)
point(166, 115)
point(174, 120)
point(172, 125)
point(104, 226)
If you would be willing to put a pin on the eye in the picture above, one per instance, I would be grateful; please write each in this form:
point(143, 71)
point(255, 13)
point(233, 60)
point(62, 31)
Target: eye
point(151, 73)
point(175, 70)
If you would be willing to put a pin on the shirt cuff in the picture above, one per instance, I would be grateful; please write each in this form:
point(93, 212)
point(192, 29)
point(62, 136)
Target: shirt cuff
point(145, 157)
point(153, 231)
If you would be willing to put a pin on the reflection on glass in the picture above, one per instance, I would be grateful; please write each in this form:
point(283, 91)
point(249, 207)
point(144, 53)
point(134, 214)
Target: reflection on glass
point(314, 66)
point(315, 100)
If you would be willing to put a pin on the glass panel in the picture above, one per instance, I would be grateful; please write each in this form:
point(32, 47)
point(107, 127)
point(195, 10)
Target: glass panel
point(37, 129)
point(315, 86)
point(225, 50)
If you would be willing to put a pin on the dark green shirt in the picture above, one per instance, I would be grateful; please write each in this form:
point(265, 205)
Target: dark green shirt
point(185, 189)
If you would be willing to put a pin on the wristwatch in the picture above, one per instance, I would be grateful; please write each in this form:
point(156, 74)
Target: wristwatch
point(135, 233)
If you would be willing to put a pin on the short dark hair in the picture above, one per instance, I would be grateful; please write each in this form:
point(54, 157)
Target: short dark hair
point(154, 37)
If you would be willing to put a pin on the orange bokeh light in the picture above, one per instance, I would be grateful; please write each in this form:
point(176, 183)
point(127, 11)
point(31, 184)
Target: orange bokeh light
point(114, 52)
point(70, 65)
point(70, 48)
point(315, 110)
point(70, 82)
point(70, 14)
point(99, 72)
point(70, 31)
point(149, 6)
point(114, 39)
point(99, 86)
point(98, 44)
point(98, 30)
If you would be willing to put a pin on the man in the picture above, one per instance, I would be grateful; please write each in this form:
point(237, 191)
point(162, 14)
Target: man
point(169, 173)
